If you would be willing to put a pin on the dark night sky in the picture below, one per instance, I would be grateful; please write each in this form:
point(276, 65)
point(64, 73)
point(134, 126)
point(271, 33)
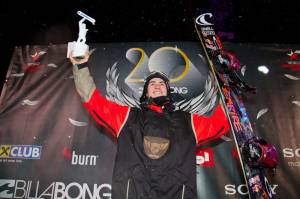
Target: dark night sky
point(44, 22)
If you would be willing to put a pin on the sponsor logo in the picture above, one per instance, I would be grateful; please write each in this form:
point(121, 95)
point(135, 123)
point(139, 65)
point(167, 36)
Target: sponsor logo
point(293, 61)
point(232, 189)
point(6, 188)
point(8, 152)
point(35, 63)
point(56, 190)
point(200, 20)
point(179, 90)
point(173, 89)
point(88, 160)
point(292, 153)
point(205, 157)
point(208, 31)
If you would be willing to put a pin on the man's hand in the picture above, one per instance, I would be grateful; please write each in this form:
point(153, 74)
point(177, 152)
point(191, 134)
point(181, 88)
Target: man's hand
point(79, 61)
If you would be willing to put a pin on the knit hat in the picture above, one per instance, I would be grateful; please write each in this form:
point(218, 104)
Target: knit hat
point(155, 74)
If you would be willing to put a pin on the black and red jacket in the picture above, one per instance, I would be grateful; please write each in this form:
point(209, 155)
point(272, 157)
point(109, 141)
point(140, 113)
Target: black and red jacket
point(172, 176)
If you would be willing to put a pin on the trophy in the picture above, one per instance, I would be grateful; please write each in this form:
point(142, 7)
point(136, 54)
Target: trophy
point(79, 47)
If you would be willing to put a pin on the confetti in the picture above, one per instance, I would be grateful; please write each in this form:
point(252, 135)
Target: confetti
point(52, 65)
point(291, 77)
point(77, 123)
point(17, 75)
point(261, 112)
point(29, 102)
point(296, 102)
point(243, 70)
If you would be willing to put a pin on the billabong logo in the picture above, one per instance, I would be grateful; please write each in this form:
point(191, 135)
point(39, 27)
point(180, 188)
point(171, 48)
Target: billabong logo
point(173, 89)
point(205, 157)
point(89, 160)
point(56, 190)
point(20, 151)
point(6, 188)
point(180, 90)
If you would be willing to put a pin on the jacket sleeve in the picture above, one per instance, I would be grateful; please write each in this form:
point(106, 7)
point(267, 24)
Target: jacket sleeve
point(210, 128)
point(110, 115)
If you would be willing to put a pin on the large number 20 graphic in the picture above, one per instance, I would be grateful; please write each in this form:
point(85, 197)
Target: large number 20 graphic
point(169, 60)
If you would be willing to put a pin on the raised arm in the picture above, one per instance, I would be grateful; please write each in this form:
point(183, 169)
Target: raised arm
point(110, 115)
point(84, 82)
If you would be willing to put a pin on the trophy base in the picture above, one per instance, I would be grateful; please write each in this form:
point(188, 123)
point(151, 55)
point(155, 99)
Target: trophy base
point(78, 57)
point(78, 49)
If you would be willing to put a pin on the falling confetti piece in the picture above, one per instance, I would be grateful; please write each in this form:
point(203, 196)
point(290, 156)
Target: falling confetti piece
point(263, 69)
point(243, 70)
point(77, 123)
point(201, 57)
point(92, 51)
point(29, 102)
point(225, 138)
point(261, 112)
point(52, 65)
point(17, 75)
point(291, 77)
point(37, 55)
point(296, 102)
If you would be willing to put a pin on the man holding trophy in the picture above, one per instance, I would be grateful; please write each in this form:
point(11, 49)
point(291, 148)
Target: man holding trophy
point(156, 144)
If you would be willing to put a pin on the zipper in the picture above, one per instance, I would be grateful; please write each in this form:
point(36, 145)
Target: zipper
point(127, 190)
point(183, 190)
